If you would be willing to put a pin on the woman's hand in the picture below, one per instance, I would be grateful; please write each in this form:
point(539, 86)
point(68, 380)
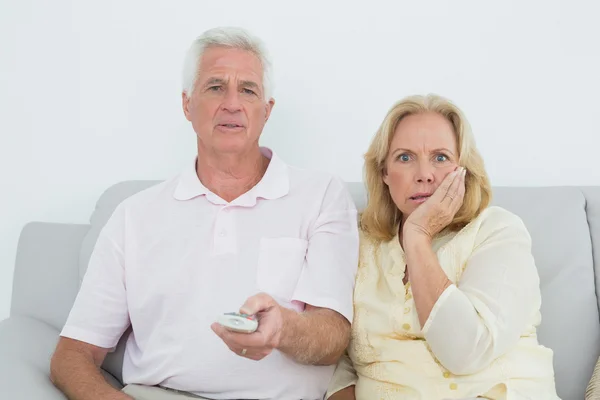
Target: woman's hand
point(438, 210)
point(344, 394)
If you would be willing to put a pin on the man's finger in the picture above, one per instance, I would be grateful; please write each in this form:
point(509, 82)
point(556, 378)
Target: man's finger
point(218, 329)
point(237, 339)
point(229, 337)
point(257, 303)
point(248, 340)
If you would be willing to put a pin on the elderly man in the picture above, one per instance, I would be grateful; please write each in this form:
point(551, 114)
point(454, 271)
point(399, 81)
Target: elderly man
point(237, 231)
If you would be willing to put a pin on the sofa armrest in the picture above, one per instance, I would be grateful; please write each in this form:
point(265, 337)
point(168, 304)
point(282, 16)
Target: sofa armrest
point(46, 277)
point(26, 347)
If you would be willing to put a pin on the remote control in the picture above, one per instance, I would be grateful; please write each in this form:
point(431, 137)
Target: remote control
point(237, 322)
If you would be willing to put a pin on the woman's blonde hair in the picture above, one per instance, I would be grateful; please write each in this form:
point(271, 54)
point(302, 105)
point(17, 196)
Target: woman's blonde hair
point(381, 218)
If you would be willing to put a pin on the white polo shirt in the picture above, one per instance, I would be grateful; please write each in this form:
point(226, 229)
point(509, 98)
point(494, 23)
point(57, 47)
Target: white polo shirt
point(175, 256)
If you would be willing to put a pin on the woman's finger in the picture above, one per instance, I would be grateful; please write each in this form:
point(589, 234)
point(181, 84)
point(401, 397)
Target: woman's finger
point(463, 185)
point(453, 189)
point(458, 199)
point(457, 184)
point(442, 191)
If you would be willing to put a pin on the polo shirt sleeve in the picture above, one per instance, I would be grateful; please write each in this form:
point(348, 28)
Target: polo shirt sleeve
point(99, 315)
point(327, 279)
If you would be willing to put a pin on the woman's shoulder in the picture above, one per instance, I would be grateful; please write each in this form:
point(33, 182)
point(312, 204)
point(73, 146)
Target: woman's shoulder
point(498, 216)
point(371, 241)
point(364, 235)
point(495, 219)
point(367, 242)
point(372, 248)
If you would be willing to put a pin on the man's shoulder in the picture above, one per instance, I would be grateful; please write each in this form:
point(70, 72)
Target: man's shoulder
point(315, 181)
point(157, 193)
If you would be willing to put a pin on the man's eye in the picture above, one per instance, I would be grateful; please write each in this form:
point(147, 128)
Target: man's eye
point(214, 88)
point(248, 91)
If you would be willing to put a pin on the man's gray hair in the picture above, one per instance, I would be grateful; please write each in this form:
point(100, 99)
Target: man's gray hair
point(231, 37)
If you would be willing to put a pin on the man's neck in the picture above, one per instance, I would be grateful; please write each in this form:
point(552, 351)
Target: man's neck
point(231, 175)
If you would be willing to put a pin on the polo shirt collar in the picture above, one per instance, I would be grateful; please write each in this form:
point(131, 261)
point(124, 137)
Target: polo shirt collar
point(273, 185)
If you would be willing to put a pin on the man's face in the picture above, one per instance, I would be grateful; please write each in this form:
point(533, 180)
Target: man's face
point(227, 107)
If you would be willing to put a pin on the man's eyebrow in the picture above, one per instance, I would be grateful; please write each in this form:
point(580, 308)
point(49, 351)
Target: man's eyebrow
point(213, 81)
point(251, 84)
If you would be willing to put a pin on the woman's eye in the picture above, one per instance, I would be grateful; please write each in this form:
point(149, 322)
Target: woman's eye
point(441, 158)
point(404, 157)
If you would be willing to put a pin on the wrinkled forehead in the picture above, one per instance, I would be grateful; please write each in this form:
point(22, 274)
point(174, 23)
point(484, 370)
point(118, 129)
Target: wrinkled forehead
point(422, 131)
point(228, 63)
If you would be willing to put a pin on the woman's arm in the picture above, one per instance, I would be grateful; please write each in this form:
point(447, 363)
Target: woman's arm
point(428, 279)
point(470, 324)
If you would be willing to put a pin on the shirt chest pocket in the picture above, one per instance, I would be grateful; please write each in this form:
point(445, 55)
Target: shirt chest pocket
point(280, 263)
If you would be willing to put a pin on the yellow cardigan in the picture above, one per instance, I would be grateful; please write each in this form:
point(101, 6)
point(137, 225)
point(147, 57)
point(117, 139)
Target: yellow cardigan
point(480, 338)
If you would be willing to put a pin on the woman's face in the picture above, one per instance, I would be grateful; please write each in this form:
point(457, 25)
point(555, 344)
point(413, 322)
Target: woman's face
point(423, 151)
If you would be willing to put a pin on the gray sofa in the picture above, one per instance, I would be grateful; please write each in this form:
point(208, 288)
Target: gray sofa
point(563, 221)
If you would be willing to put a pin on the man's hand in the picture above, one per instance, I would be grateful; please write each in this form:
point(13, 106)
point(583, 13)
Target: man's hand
point(259, 344)
point(317, 336)
point(437, 211)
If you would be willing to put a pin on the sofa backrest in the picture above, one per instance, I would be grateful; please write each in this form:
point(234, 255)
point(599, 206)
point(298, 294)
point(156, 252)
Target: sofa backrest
point(562, 247)
point(564, 223)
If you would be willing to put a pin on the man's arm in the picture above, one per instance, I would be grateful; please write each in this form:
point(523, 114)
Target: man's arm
point(97, 320)
point(75, 370)
point(344, 394)
point(317, 336)
point(321, 334)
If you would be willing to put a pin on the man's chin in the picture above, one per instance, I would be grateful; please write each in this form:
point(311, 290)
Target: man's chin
point(232, 146)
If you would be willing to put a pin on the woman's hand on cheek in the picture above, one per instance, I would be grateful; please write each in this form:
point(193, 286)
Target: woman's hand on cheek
point(437, 212)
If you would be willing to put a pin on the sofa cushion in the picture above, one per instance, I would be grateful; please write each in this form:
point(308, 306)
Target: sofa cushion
point(557, 221)
point(26, 347)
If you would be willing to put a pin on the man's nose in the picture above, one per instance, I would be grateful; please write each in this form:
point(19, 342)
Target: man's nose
point(232, 102)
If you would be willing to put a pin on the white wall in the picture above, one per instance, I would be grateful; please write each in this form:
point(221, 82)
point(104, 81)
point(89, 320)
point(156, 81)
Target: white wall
point(90, 95)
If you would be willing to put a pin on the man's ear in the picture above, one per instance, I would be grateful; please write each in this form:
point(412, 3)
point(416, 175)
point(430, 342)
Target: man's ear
point(185, 103)
point(269, 108)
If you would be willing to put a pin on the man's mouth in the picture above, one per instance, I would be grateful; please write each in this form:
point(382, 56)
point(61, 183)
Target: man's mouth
point(231, 125)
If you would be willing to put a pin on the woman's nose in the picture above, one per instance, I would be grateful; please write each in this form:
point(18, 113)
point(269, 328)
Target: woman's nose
point(425, 174)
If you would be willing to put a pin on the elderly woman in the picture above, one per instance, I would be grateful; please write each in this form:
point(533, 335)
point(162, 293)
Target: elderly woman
point(447, 296)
